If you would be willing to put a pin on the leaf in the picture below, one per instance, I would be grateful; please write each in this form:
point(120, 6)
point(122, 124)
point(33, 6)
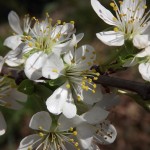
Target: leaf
point(42, 91)
point(57, 82)
point(26, 87)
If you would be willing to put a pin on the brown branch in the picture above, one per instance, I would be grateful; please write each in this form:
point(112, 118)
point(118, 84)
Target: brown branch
point(140, 88)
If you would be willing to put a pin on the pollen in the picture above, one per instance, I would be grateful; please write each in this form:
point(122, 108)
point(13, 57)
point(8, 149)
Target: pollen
point(30, 44)
point(72, 22)
point(41, 134)
point(76, 144)
point(68, 86)
point(71, 140)
point(112, 4)
point(71, 129)
point(116, 29)
point(144, 6)
point(95, 78)
point(79, 98)
point(75, 133)
point(55, 70)
point(59, 21)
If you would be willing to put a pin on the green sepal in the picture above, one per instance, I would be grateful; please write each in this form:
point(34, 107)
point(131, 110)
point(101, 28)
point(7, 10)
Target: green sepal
point(26, 87)
point(57, 82)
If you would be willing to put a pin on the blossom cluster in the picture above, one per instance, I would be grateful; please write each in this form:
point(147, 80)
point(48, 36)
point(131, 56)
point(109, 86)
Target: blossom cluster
point(77, 109)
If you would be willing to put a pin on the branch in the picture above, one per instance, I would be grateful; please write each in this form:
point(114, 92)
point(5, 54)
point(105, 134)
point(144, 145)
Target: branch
point(140, 88)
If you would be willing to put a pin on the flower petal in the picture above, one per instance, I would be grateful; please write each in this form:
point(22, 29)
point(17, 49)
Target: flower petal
point(144, 53)
point(2, 124)
point(144, 69)
point(30, 141)
point(85, 135)
point(111, 38)
point(95, 115)
point(69, 108)
point(57, 100)
point(108, 101)
point(107, 133)
point(141, 41)
point(103, 13)
point(66, 123)
point(14, 22)
point(42, 120)
point(90, 97)
point(13, 41)
point(53, 67)
point(34, 64)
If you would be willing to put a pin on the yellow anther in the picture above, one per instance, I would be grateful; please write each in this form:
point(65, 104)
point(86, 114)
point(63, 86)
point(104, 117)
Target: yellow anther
point(75, 133)
point(71, 129)
point(29, 148)
point(89, 63)
point(58, 35)
point(76, 144)
point(85, 77)
point(83, 83)
point(94, 85)
point(41, 134)
point(64, 23)
point(71, 140)
point(115, 8)
point(83, 57)
point(68, 86)
point(112, 4)
point(116, 29)
point(93, 91)
point(72, 22)
point(47, 15)
point(97, 73)
point(86, 88)
point(55, 70)
point(28, 37)
point(144, 6)
point(59, 21)
point(114, 18)
point(30, 44)
point(79, 98)
point(89, 80)
point(40, 128)
point(120, 2)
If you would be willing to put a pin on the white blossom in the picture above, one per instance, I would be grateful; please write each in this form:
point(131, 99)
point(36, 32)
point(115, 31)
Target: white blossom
point(130, 22)
point(8, 98)
point(78, 85)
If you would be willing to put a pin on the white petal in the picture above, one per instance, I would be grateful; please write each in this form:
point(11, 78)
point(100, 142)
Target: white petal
point(141, 41)
point(144, 53)
point(111, 38)
point(102, 12)
point(13, 41)
point(69, 109)
point(91, 98)
point(2, 61)
point(85, 135)
point(66, 123)
point(29, 141)
point(95, 115)
point(107, 133)
point(18, 95)
point(14, 22)
point(108, 101)
point(53, 67)
point(34, 64)
point(144, 69)
point(57, 100)
point(41, 119)
point(2, 124)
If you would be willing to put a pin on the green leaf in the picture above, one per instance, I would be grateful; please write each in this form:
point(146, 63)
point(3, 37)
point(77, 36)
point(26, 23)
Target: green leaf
point(57, 82)
point(42, 91)
point(26, 87)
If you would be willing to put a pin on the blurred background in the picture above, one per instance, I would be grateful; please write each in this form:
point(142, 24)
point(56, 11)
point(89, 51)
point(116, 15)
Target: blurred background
point(131, 120)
